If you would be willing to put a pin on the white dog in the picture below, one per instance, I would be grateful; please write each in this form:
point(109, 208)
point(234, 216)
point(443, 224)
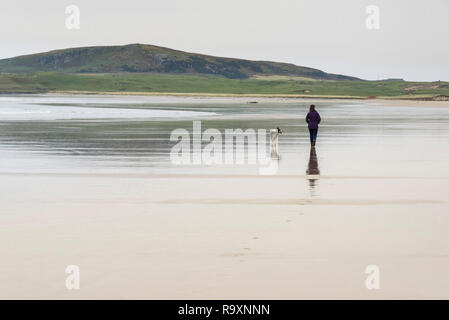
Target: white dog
point(274, 138)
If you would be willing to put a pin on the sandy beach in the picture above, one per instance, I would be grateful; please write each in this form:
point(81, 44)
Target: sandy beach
point(99, 192)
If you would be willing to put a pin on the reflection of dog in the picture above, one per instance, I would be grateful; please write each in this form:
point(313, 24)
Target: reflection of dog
point(274, 137)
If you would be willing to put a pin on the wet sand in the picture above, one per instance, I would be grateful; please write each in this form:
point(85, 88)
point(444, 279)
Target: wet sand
point(222, 238)
point(88, 193)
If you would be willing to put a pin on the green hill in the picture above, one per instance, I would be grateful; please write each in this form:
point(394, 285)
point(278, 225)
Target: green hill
point(142, 58)
point(146, 69)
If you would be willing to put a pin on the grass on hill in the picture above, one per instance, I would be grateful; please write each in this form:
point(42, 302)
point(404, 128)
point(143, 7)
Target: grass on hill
point(208, 84)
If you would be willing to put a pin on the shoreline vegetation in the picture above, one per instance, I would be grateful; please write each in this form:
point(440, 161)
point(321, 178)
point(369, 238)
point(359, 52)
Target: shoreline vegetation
point(217, 86)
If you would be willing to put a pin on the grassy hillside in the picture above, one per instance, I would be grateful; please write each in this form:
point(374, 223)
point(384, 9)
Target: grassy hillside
point(147, 58)
point(209, 84)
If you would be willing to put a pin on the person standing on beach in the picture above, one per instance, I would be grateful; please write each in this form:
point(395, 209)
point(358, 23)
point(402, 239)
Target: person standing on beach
point(313, 119)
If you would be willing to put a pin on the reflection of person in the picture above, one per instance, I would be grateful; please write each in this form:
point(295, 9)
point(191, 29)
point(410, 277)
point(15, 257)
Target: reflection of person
point(312, 168)
point(313, 119)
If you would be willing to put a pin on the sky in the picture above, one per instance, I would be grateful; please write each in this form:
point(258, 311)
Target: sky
point(412, 41)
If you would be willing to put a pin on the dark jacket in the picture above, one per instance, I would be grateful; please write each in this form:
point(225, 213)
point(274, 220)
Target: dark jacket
point(313, 119)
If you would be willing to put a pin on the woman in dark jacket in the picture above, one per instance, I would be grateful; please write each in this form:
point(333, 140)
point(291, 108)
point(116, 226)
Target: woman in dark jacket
point(313, 119)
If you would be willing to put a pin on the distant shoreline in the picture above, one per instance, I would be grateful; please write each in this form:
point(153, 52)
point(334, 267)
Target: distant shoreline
point(230, 95)
point(397, 101)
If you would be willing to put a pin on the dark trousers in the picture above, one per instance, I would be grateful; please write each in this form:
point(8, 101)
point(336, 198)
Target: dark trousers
point(313, 134)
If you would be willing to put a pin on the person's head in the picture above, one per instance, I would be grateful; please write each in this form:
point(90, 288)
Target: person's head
point(312, 107)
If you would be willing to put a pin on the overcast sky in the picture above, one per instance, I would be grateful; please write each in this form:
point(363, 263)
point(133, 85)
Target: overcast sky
point(412, 42)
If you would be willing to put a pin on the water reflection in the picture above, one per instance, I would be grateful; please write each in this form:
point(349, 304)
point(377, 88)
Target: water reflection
point(313, 171)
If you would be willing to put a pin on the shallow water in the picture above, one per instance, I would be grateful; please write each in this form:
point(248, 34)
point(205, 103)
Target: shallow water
point(128, 135)
point(132, 134)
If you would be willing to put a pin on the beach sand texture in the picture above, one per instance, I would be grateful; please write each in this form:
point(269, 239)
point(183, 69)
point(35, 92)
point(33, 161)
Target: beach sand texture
point(101, 193)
